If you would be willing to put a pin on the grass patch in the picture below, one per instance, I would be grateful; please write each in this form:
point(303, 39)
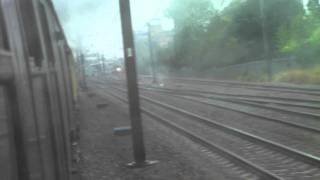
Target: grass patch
point(300, 76)
point(253, 78)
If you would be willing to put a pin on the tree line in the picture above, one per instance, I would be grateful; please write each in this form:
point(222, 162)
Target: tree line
point(206, 37)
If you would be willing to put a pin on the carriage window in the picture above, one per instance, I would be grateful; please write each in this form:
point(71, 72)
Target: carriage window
point(4, 44)
point(31, 32)
point(46, 32)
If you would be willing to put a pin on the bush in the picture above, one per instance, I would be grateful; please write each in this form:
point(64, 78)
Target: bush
point(300, 76)
point(253, 78)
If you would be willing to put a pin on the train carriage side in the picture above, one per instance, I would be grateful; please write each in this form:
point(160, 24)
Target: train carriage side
point(37, 93)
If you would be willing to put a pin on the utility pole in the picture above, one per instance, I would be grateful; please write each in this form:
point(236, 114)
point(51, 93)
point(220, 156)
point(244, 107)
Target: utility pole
point(103, 60)
point(83, 71)
point(265, 40)
point(133, 91)
point(104, 64)
point(151, 51)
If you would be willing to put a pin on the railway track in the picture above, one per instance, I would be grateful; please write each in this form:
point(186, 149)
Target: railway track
point(278, 131)
point(310, 125)
point(258, 151)
point(311, 90)
point(259, 173)
point(249, 102)
point(293, 101)
point(313, 104)
point(302, 108)
point(307, 121)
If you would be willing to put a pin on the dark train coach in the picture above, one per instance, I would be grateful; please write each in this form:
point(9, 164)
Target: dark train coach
point(37, 93)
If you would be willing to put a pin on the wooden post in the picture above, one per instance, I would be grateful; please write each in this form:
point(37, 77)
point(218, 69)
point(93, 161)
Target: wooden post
point(151, 51)
point(83, 71)
point(133, 91)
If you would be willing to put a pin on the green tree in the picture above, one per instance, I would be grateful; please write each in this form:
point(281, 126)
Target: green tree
point(302, 36)
point(247, 21)
point(206, 38)
point(314, 8)
point(191, 18)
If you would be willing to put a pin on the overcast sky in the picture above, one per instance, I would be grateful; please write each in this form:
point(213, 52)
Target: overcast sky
point(95, 24)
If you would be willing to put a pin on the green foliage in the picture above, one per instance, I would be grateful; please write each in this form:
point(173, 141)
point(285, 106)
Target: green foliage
point(253, 78)
point(302, 36)
point(247, 21)
point(191, 19)
point(207, 38)
point(191, 14)
point(300, 76)
point(314, 8)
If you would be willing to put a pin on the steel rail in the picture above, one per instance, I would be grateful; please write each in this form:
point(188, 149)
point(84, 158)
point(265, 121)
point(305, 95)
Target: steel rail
point(200, 94)
point(314, 92)
point(295, 125)
point(243, 97)
point(211, 146)
point(279, 109)
point(283, 88)
point(269, 102)
point(305, 157)
point(263, 117)
point(244, 101)
point(280, 121)
point(238, 96)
